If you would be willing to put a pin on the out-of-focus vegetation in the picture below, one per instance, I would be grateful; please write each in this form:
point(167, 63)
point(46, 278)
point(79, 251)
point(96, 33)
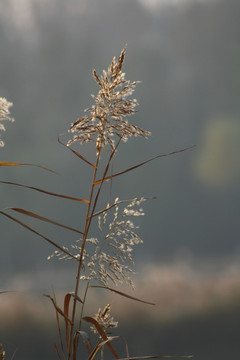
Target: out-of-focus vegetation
point(198, 311)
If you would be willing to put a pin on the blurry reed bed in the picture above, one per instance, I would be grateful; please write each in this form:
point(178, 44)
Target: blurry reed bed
point(179, 290)
point(103, 260)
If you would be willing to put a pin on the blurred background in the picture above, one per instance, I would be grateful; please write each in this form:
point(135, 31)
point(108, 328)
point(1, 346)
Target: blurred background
point(186, 53)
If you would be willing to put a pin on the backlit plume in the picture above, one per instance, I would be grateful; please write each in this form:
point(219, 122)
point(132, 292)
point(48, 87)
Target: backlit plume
point(108, 115)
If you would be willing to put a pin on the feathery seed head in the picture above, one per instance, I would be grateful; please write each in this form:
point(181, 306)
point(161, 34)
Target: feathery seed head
point(108, 115)
point(104, 318)
point(4, 114)
point(109, 258)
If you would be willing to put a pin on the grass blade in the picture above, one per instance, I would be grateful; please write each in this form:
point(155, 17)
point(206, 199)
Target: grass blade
point(122, 294)
point(59, 328)
point(57, 352)
point(77, 154)
point(66, 312)
point(44, 191)
point(96, 349)
point(57, 308)
point(99, 346)
point(39, 234)
point(39, 217)
point(97, 182)
point(6, 163)
point(101, 333)
point(76, 297)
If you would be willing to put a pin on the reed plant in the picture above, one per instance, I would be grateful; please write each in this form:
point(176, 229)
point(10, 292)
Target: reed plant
point(105, 260)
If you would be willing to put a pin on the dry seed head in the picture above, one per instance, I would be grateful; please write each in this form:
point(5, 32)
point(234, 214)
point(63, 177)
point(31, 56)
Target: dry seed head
point(104, 318)
point(4, 114)
point(108, 115)
point(111, 259)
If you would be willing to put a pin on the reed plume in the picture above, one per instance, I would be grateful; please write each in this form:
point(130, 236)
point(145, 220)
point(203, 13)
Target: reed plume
point(4, 115)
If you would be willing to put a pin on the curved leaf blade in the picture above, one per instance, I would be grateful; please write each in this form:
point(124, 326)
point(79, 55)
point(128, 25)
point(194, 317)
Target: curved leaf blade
point(101, 333)
point(58, 309)
point(97, 182)
point(66, 312)
point(7, 163)
point(45, 191)
point(77, 154)
point(39, 234)
point(99, 346)
point(121, 293)
point(39, 217)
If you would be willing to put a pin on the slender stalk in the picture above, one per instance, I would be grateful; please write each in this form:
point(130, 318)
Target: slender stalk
point(85, 233)
point(84, 301)
point(88, 220)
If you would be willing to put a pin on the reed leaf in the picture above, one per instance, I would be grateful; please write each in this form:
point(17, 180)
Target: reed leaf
point(39, 234)
point(102, 333)
point(39, 217)
point(57, 352)
point(76, 297)
point(77, 154)
point(99, 346)
point(121, 293)
point(6, 163)
point(58, 326)
point(44, 191)
point(97, 182)
point(58, 309)
point(66, 312)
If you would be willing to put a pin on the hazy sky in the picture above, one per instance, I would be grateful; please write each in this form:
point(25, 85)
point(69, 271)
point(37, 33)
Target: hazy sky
point(156, 3)
point(22, 9)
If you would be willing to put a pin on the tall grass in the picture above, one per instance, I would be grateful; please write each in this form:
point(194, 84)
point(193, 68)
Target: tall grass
point(104, 260)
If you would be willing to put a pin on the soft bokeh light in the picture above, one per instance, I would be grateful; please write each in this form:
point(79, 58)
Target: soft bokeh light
point(217, 162)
